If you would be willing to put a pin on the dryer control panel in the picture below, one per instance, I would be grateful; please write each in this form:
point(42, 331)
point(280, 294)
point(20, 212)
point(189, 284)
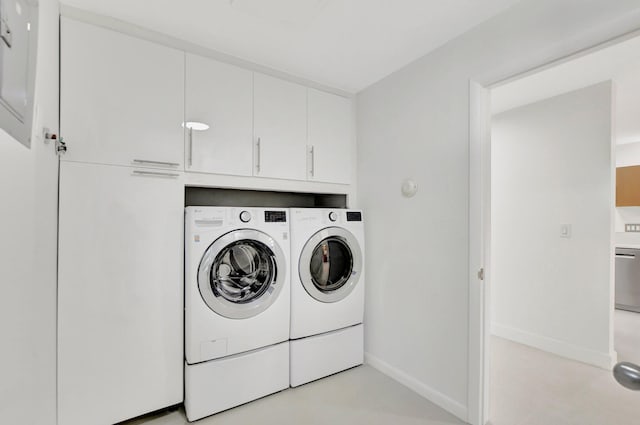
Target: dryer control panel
point(275, 216)
point(354, 216)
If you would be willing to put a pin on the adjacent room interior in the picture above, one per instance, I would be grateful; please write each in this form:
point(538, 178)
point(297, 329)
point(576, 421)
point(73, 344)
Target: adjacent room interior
point(559, 245)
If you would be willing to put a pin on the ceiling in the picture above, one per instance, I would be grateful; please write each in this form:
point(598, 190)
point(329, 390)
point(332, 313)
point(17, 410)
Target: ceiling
point(619, 62)
point(344, 44)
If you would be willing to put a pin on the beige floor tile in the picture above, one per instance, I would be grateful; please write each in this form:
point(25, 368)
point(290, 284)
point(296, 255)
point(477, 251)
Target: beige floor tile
point(532, 387)
point(358, 396)
point(528, 387)
point(627, 336)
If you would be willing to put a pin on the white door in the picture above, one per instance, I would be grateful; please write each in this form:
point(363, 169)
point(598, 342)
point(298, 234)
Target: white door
point(121, 98)
point(330, 139)
point(280, 128)
point(120, 292)
point(220, 96)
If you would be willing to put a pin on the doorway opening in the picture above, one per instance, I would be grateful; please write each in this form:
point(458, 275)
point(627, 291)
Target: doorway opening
point(549, 146)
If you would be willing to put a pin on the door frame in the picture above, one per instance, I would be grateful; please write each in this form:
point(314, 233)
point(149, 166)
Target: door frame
point(479, 202)
point(479, 251)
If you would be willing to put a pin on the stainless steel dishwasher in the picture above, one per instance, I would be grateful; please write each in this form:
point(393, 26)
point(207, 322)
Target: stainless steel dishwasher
point(628, 279)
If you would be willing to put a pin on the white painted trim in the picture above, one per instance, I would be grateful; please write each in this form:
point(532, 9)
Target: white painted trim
point(497, 81)
point(612, 224)
point(176, 43)
point(455, 408)
point(598, 38)
point(557, 347)
point(479, 253)
point(196, 179)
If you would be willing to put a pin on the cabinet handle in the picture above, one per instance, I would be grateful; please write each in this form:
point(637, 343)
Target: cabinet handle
point(146, 161)
point(313, 161)
point(190, 147)
point(258, 156)
point(154, 174)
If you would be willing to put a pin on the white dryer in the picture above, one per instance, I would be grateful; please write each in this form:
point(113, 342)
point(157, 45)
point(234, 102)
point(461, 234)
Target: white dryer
point(327, 292)
point(237, 305)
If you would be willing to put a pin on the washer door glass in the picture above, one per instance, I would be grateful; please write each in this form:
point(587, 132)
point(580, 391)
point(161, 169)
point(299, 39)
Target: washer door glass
point(330, 264)
point(241, 274)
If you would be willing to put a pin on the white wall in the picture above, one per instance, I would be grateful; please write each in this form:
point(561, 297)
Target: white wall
point(28, 220)
point(628, 154)
point(627, 81)
point(416, 123)
point(551, 165)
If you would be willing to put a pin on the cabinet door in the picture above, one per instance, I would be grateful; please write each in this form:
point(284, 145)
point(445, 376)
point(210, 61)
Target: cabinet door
point(220, 96)
point(120, 292)
point(330, 139)
point(121, 98)
point(280, 128)
point(628, 186)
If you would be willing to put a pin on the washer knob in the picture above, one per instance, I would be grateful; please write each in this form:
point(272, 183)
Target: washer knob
point(333, 216)
point(245, 216)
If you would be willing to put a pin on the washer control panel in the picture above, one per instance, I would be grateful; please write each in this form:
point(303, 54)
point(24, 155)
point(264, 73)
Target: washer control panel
point(333, 216)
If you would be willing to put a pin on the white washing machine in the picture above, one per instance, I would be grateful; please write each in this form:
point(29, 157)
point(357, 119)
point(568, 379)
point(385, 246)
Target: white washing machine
point(327, 292)
point(237, 305)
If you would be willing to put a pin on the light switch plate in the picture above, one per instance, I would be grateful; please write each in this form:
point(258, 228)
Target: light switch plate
point(632, 227)
point(565, 231)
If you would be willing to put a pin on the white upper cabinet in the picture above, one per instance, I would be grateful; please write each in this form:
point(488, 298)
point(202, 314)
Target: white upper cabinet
point(329, 138)
point(280, 128)
point(125, 101)
point(122, 98)
point(220, 96)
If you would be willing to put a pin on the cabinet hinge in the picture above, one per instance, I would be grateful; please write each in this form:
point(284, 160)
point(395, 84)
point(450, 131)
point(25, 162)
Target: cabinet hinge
point(61, 147)
point(481, 274)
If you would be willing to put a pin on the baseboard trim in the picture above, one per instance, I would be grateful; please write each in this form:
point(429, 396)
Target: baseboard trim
point(557, 347)
point(422, 389)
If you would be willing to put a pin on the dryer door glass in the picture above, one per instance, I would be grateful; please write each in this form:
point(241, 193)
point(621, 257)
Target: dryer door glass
point(241, 274)
point(330, 264)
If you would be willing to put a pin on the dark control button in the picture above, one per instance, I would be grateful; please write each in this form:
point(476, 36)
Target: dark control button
point(245, 216)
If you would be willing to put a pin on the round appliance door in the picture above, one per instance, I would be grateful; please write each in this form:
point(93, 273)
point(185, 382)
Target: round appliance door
point(330, 264)
point(241, 274)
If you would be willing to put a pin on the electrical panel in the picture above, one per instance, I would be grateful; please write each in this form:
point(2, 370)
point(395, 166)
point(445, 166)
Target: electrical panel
point(18, 42)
